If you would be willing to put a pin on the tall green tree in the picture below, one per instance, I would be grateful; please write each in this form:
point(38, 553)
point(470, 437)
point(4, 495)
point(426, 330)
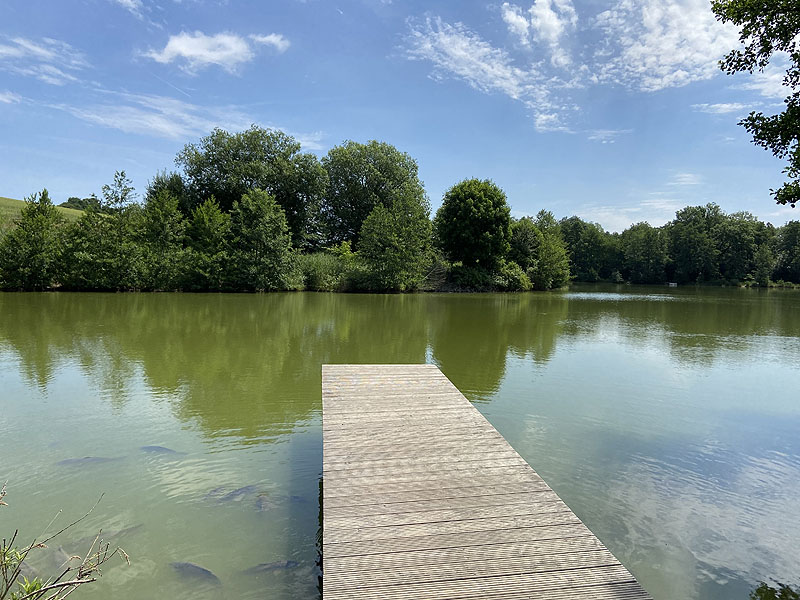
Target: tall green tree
point(525, 242)
point(473, 225)
point(735, 240)
point(161, 236)
point(173, 184)
point(592, 251)
point(207, 241)
point(361, 176)
point(30, 253)
point(229, 165)
point(396, 241)
point(101, 250)
point(260, 244)
point(763, 265)
point(768, 27)
point(645, 253)
point(787, 250)
point(693, 249)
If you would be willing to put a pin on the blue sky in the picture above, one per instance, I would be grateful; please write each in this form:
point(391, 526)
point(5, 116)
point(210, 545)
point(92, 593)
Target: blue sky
point(613, 110)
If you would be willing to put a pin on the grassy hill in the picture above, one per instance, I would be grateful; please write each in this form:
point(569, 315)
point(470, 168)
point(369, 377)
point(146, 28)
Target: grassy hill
point(10, 209)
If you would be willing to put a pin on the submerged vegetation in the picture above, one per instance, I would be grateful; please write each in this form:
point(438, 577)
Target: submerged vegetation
point(250, 212)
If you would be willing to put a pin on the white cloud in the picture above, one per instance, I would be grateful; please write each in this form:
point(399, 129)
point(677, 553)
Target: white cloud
point(655, 44)
point(518, 23)
point(198, 50)
point(165, 117)
point(769, 83)
point(457, 52)
point(722, 108)
point(10, 98)
point(656, 210)
point(48, 60)
point(548, 23)
point(276, 40)
point(686, 179)
point(607, 136)
point(158, 116)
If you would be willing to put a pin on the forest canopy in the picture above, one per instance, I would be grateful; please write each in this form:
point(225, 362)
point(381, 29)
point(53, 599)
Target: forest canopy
point(249, 211)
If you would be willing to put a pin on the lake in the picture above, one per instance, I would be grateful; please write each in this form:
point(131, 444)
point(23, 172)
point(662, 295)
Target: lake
point(668, 419)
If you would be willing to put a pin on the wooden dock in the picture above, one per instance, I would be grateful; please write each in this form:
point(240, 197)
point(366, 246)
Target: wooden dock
point(424, 500)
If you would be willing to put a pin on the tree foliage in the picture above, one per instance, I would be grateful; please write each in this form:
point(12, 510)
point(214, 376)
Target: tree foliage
point(526, 239)
point(228, 165)
point(767, 28)
point(645, 254)
point(29, 254)
point(361, 176)
point(695, 256)
point(473, 225)
point(787, 250)
point(207, 246)
point(161, 236)
point(260, 244)
point(593, 253)
point(552, 264)
point(377, 202)
point(395, 241)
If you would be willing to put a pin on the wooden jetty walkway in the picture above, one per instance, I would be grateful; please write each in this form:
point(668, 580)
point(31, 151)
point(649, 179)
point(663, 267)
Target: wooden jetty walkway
point(424, 500)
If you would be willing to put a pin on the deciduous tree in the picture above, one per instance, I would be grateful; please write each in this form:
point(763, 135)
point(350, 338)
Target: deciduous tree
point(473, 225)
point(361, 176)
point(260, 244)
point(229, 165)
point(396, 241)
point(30, 253)
point(769, 28)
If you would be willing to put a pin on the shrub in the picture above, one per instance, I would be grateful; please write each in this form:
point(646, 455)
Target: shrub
point(511, 278)
point(471, 278)
point(322, 271)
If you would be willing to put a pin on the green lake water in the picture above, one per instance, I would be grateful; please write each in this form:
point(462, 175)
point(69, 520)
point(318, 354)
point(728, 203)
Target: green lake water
point(668, 419)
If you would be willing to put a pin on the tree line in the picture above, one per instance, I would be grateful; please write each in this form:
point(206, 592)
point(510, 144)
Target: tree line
point(249, 211)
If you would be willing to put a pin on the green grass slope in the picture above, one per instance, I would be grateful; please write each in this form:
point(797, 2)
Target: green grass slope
point(10, 209)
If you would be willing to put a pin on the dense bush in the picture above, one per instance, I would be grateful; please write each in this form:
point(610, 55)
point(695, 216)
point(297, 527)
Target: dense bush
point(322, 271)
point(511, 278)
point(469, 278)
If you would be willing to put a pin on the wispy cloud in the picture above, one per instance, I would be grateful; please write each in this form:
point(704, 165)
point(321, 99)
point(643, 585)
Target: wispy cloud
point(722, 108)
point(48, 60)
point(656, 210)
point(132, 6)
point(769, 82)
point(644, 45)
point(165, 117)
point(276, 40)
point(196, 51)
point(606, 136)
point(10, 98)
point(686, 179)
point(459, 53)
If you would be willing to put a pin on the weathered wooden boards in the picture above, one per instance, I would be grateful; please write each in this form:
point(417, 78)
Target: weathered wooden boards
point(424, 500)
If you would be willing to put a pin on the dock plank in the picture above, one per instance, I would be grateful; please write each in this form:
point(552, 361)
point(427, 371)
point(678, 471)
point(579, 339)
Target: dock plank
point(424, 499)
